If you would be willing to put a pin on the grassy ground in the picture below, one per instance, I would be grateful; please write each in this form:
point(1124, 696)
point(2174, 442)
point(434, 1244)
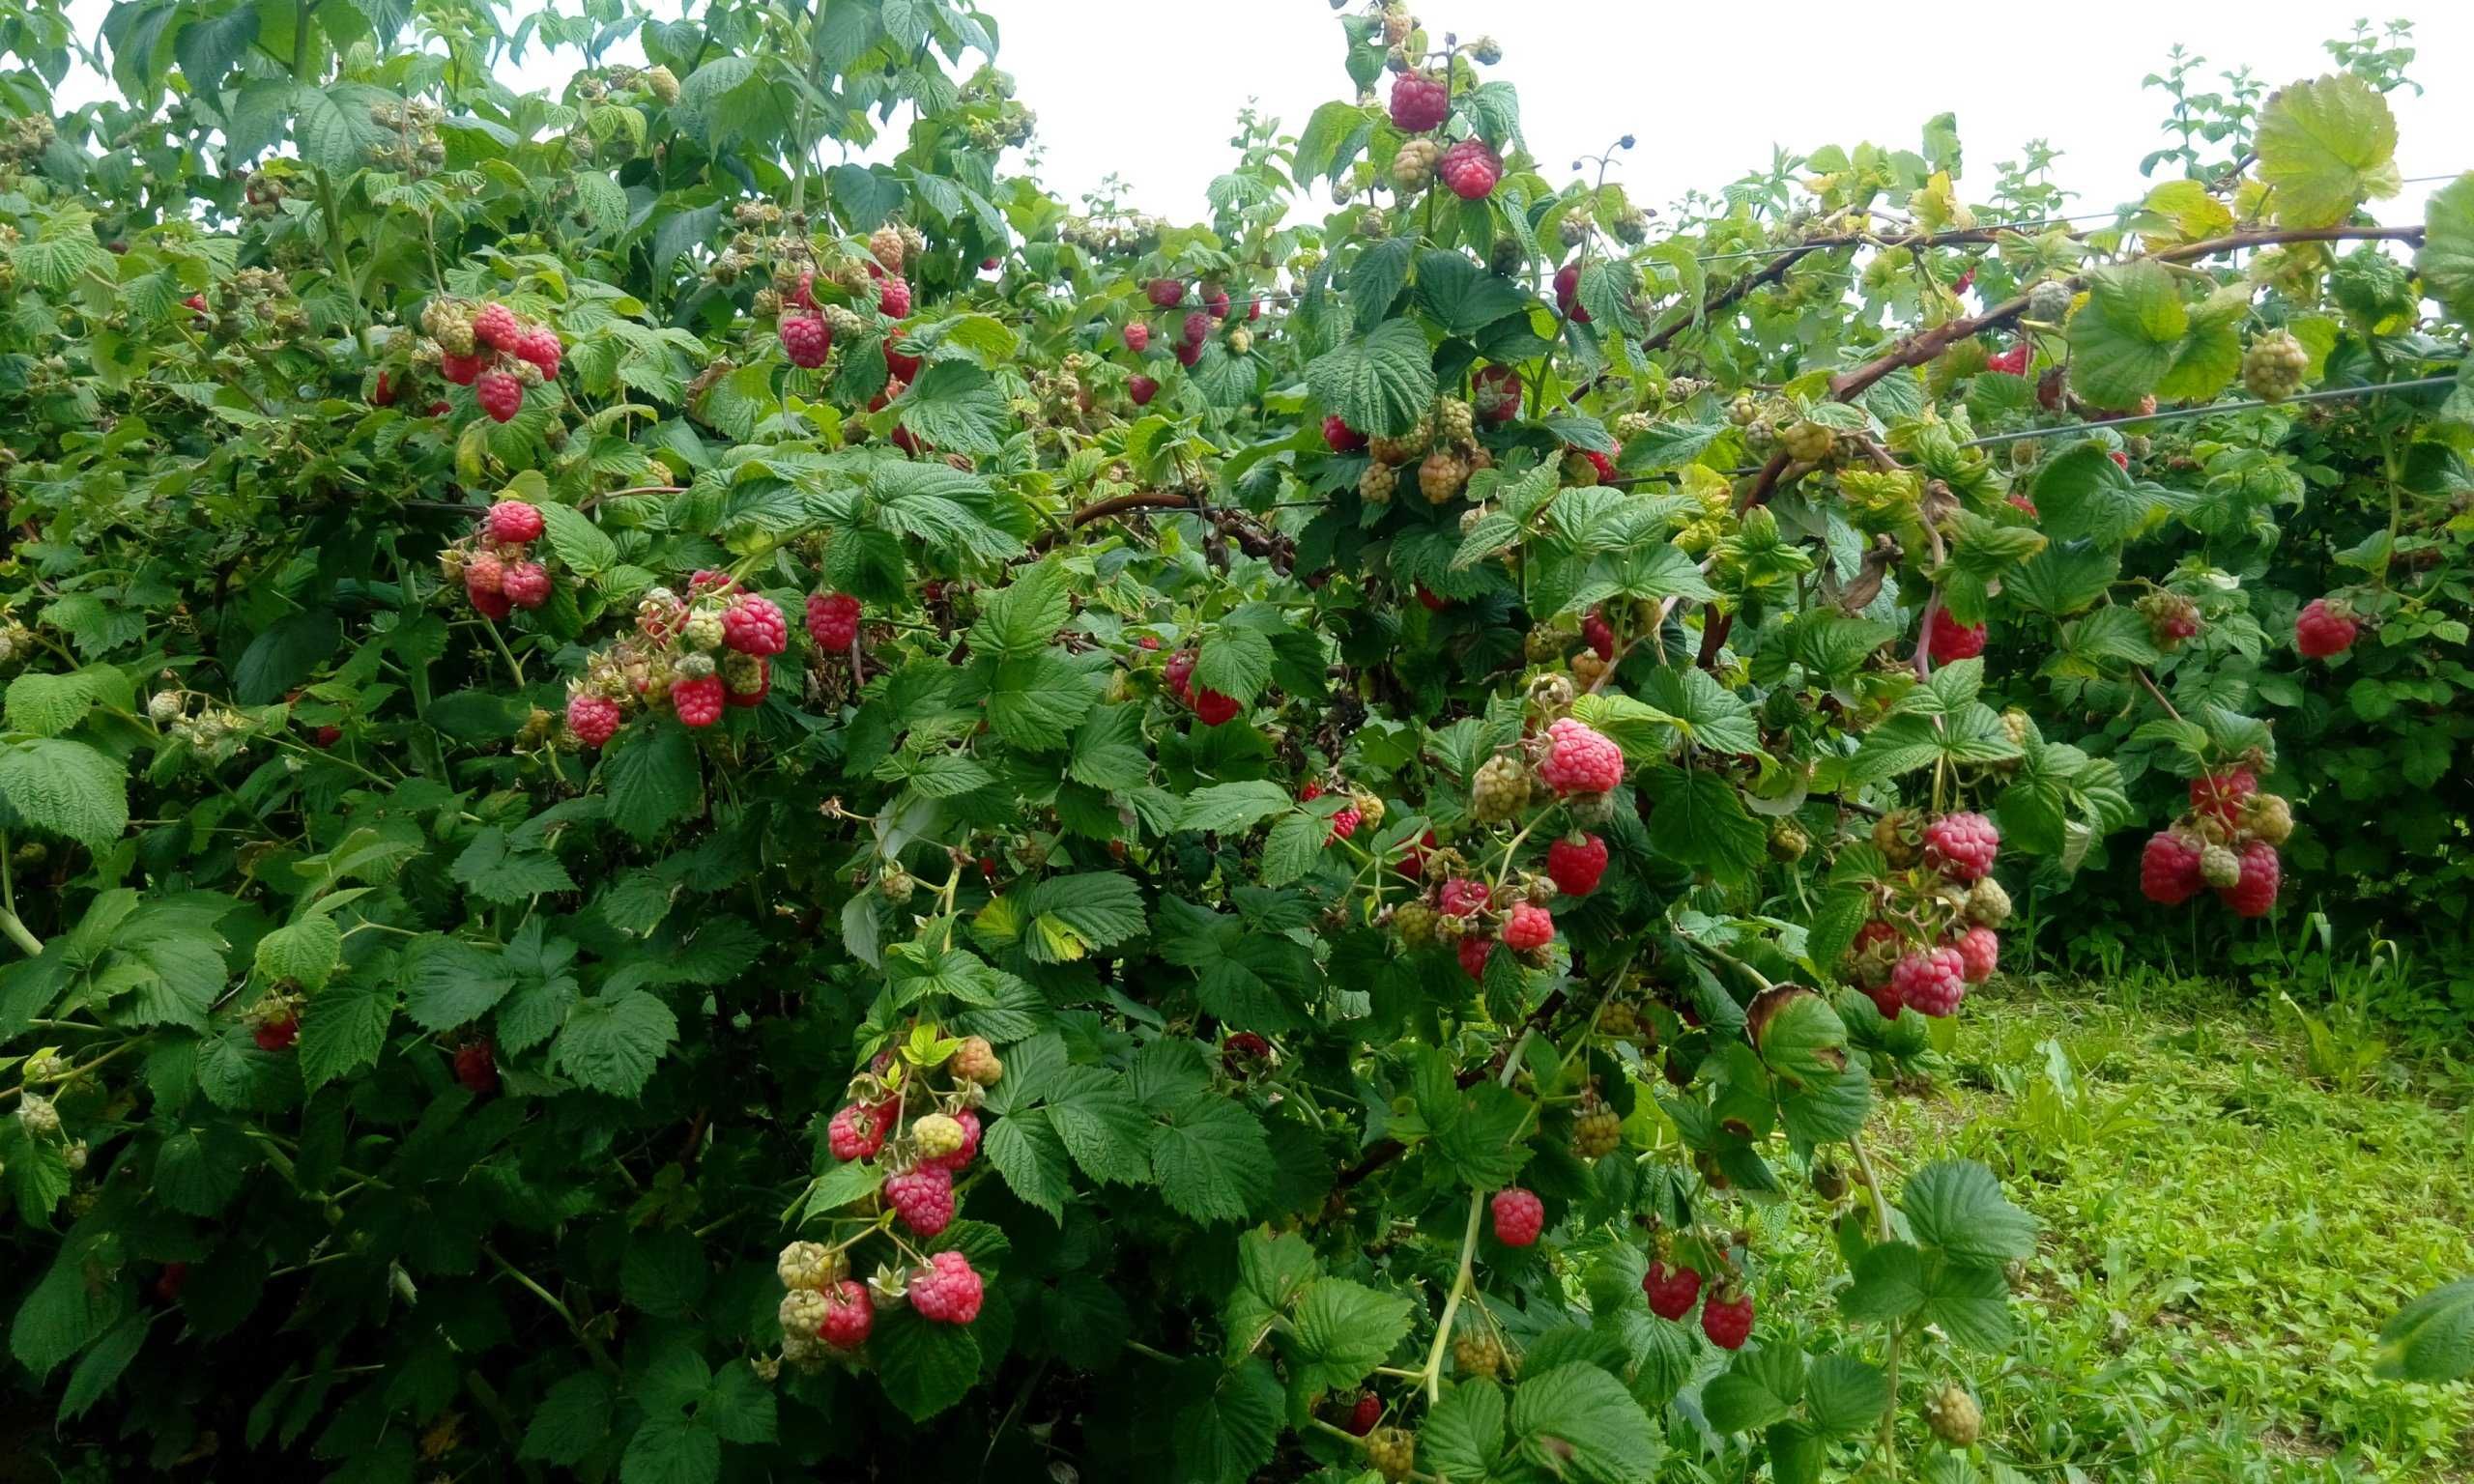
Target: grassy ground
point(2223, 1239)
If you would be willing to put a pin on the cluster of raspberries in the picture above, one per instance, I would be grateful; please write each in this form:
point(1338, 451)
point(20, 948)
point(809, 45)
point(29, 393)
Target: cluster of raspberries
point(1932, 932)
point(1673, 1287)
point(493, 350)
point(497, 568)
point(1193, 327)
point(1469, 168)
point(2227, 841)
point(711, 648)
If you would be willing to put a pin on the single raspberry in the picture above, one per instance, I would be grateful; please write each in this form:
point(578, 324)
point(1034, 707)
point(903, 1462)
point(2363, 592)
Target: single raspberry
point(327, 736)
point(497, 327)
point(170, 1282)
point(1598, 634)
point(2021, 503)
point(1980, 951)
point(1586, 466)
point(441, 409)
point(1189, 353)
point(1242, 1050)
point(1215, 300)
point(500, 394)
point(1598, 1131)
point(1726, 1321)
point(1461, 896)
point(1527, 927)
point(195, 301)
point(1988, 904)
point(477, 1067)
point(278, 1033)
point(1886, 999)
point(1428, 600)
point(923, 1197)
point(513, 522)
point(1576, 863)
point(1580, 759)
point(748, 682)
point(2168, 867)
point(462, 370)
point(1961, 845)
point(2219, 865)
point(1392, 1452)
point(1340, 437)
point(1672, 1292)
point(2010, 362)
point(1567, 293)
point(384, 393)
point(1419, 101)
point(806, 339)
point(1519, 1216)
point(1141, 389)
point(884, 244)
point(1215, 708)
point(484, 572)
point(1344, 825)
point(977, 1061)
point(858, 1131)
point(1932, 981)
point(1253, 310)
point(753, 625)
point(697, 700)
point(1164, 293)
point(2120, 458)
point(2220, 795)
point(1475, 950)
point(893, 296)
point(1178, 676)
point(901, 367)
point(1954, 1417)
point(1137, 336)
point(2273, 367)
point(1197, 327)
point(849, 1315)
point(2268, 818)
point(1495, 393)
point(1471, 168)
point(946, 1290)
point(526, 584)
point(2320, 631)
point(1367, 1412)
point(2256, 891)
point(540, 347)
point(833, 621)
point(936, 1135)
point(1951, 639)
point(492, 605)
point(1413, 856)
point(594, 719)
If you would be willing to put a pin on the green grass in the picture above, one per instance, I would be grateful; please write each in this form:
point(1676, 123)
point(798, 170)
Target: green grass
point(2222, 1239)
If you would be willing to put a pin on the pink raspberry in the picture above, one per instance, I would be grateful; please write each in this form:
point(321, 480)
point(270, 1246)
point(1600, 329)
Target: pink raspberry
point(1475, 950)
point(1961, 845)
point(807, 340)
point(1519, 1216)
point(753, 625)
point(526, 584)
point(497, 327)
point(749, 690)
point(484, 572)
point(2010, 362)
point(833, 621)
point(1567, 293)
point(1580, 759)
point(2168, 867)
point(1178, 676)
point(1471, 168)
point(2320, 632)
point(697, 700)
point(1419, 101)
point(804, 295)
point(923, 1197)
point(1598, 634)
point(2257, 892)
point(893, 296)
point(1164, 293)
point(1141, 389)
point(461, 369)
point(541, 346)
point(594, 719)
point(1672, 1292)
point(500, 394)
point(946, 1290)
point(849, 1315)
point(1576, 863)
point(1527, 927)
point(2120, 458)
point(1932, 981)
point(1344, 824)
point(1495, 393)
point(1980, 951)
point(961, 1157)
point(2220, 795)
point(858, 1131)
point(1952, 639)
point(1137, 336)
point(1728, 1321)
point(1197, 327)
point(2021, 503)
point(1340, 436)
point(1215, 300)
point(1215, 708)
point(514, 522)
point(1461, 896)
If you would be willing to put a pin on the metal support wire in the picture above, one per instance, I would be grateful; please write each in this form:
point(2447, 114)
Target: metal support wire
point(2325, 394)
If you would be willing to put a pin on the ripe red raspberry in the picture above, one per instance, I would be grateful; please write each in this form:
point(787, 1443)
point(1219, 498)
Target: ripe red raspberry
point(1601, 467)
point(2320, 632)
point(279, 1035)
point(1527, 927)
point(1576, 863)
point(1495, 393)
point(384, 393)
point(484, 572)
point(492, 605)
point(753, 625)
point(1419, 101)
point(170, 1282)
point(500, 394)
point(1253, 310)
point(1141, 389)
point(1428, 600)
point(1461, 896)
point(526, 584)
point(2010, 362)
point(541, 346)
point(514, 522)
point(1471, 168)
point(497, 327)
point(1567, 293)
point(1598, 634)
point(1475, 950)
point(893, 296)
point(1241, 1050)
point(594, 719)
point(833, 621)
point(2168, 867)
point(1672, 1292)
point(1340, 437)
point(901, 367)
point(2257, 892)
point(461, 369)
point(439, 409)
point(2120, 458)
point(1413, 856)
point(1961, 845)
point(961, 1159)
point(1519, 1216)
point(697, 700)
point(1966, 281)
point(1197, 327)
point(1952, 639)
point(2018, 502)
point(1215, 708)
point(923, 1197)
point(1581, 759)
point(1980, 951)
point(1189, 352)
point(1930, 981)
point(1164, 293)
point(2220, 795)
point(1215, 300)
point(946, 1290)
point(1137, 336)
point(748, 688)
point(195, 301)
point(1344, 824)
point(1178, 676)
point(849, 1315)
point(1367, 1412)
point(806, 339)
point(477, 1067)
point(1886, 999)
point(1726, 1321)
point(858, 1131)
point(326, 737)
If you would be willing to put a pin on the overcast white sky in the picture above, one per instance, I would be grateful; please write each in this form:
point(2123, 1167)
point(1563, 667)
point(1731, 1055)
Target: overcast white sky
point(1149, 92)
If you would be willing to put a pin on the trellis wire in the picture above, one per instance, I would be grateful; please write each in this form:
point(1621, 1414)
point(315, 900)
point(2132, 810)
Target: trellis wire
point(2325, 394)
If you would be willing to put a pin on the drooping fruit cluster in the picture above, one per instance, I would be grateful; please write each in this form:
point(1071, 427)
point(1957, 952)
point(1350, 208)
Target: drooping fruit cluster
point(1932, 930)
point(495, 563)
point(491, 349)
point(709, 649)
point(2227, 841)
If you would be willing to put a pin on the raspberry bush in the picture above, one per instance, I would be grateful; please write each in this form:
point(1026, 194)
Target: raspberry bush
point(672, 814)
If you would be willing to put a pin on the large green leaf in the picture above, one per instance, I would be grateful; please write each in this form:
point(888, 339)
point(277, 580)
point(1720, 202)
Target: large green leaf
point(2325, 146)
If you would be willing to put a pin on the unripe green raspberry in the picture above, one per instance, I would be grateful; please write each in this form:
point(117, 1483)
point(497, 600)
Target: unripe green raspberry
point(2219, 865)
point(1415, 922)
point(704, 630)
point(1598, 1133)
point(2265, 816)
point(1954, 1417)
point(1619, 1020)
point(895, 884)
point(936, 1135)
point(1787, 842)
point(692, 667)
point(1590, 810)
point(1551, 694)
point(1988, 904)
point(41, 1120)
point(1414, 166)
point(810, 1265)
point(1743, 412)
point(1478, 1354)
point(1370, 809)
point(45, 1066)
point(2273, 367)
point(1457, 420)
point(2048, 302)
point(1500, 791)
point(662, 83)
point(802, 1313)
point(1392, 1452)
point(1807, 442)
point(164, 706)
point(1376, 484)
